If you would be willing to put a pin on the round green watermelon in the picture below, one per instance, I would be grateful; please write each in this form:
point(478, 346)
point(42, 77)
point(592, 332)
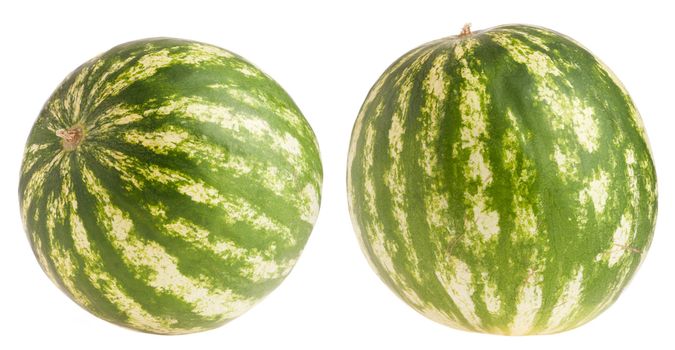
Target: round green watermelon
point(501, 181)
point(169, 185)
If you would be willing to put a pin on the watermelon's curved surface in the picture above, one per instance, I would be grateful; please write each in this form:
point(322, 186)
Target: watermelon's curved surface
point(502, 182)
point(169, 185)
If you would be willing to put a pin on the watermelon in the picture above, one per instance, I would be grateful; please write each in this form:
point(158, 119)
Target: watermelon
point(169, 185)
point(501, 181)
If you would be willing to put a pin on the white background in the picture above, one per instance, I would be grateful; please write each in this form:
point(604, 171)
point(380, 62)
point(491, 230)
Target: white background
point(326, 56)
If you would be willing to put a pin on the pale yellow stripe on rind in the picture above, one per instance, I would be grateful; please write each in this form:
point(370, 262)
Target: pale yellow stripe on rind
point(237, 121)
point(127, 168)
point(259, 265)
point(436, 201)
point(310, 210)
point(567, 303)
point(567, 161)
point(107, 120)
point(73, 99)
point(596, 191)
point(380, 246)
point(529, 304)
point(35, 184)
point(522, 175)
point(199, 53)
point(616, 287)
point(395, 178)
point(238, 209)
point(620, 241)
point(537, 62)
point(491, 297)
point(361, 118)
point(474, 99)
point(93, 268)
point(351, 194)
point(529, 37)
point(530, 298)
point(634, 113)
point(259, 100)
point(526, 231)
point(40, 249)
point(95, 96)
point(625, 232)
point(159, 142)
point(31, 155)
point(142, 255)
point(150, 61)
point(62, 259)
point(147, 65)
point(457, 279)
point(57, 116)
point(570, 111)
point(374, 231)
point(281, 182)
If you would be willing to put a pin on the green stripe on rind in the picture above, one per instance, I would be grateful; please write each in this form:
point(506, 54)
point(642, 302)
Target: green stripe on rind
point(191, 196)
point(502, 182)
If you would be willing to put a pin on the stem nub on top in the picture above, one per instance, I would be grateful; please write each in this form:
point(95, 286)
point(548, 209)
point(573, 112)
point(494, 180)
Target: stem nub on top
point(466, 30)
point(71, 137)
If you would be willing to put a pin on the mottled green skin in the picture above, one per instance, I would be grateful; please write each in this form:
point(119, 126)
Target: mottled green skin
point(182, 97)
point(520, 171)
